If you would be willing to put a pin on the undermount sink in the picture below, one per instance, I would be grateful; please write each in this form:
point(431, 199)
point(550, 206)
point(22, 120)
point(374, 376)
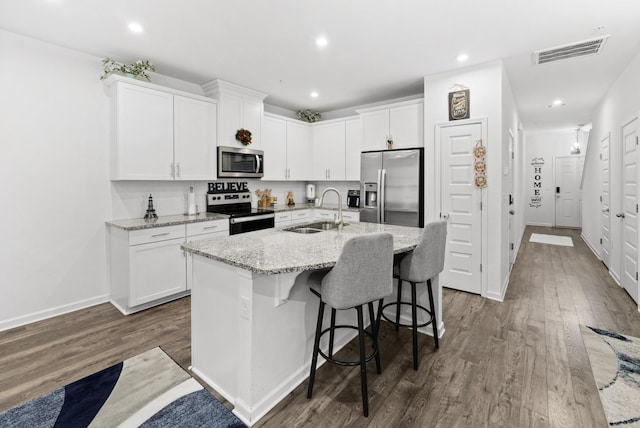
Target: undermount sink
point(313, 227)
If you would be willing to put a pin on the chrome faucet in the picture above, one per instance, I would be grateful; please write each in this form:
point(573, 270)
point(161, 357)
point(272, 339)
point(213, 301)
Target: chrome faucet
point(339, 221)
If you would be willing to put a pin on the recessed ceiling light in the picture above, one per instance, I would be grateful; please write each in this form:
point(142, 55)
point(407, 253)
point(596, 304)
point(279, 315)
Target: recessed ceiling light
point(314, 94)
point(462, 57)
point(322, 41)
point(135, 27)
point(557, 102)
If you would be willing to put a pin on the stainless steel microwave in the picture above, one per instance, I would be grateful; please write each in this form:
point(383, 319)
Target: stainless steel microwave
point(239, 162)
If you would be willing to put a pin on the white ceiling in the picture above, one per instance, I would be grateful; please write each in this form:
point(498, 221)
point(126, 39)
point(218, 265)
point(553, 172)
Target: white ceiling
point(378, 49)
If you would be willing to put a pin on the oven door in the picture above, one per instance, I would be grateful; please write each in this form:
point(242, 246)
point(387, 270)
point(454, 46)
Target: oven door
point(251, 223)
point(237, 162)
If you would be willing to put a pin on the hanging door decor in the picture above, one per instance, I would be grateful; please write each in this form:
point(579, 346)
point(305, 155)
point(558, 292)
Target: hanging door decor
point(458, 102)
point(480, 164)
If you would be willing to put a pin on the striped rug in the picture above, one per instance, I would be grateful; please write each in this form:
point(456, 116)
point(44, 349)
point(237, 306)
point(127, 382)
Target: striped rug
point(149, 390)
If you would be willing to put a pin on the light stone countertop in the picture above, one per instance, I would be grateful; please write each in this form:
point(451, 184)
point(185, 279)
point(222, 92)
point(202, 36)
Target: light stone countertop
point(273, 251)
point(297, 207)
point(165, 220)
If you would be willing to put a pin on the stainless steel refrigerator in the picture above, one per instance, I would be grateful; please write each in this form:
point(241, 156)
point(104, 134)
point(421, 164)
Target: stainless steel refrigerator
point(391, 187)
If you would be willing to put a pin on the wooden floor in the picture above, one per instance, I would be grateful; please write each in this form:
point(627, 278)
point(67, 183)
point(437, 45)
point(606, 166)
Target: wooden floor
point(515, 363)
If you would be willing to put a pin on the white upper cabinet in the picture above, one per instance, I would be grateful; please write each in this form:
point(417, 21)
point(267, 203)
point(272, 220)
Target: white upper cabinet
point(402, 122)
point(328, 151)
point(194, 139)
point(160, 134)
point(299, 152)
point(238, 108)
point(353, 146)
point(274, 144)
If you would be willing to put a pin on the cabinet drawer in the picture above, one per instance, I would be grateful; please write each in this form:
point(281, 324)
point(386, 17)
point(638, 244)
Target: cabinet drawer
point(286, 216)
point(325, 214)
point(351, 216)
point(300, 215)
point(207, 227)
point(155, 234)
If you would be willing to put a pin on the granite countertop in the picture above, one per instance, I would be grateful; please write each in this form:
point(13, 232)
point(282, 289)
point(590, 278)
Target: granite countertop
point(273, 251)
point(297, 207)
point(165, 220)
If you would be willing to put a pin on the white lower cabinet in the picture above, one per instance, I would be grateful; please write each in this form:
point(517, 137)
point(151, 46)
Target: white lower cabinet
point(283, 219)
point(157, 271)
point(301, 216)
point(147, 267)
point(348, 216)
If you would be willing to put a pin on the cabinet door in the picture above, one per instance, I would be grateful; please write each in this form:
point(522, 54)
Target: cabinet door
point(195, 139)
point(375, 129)
point(328, 151)
point(252, 112)
point(144, 134)
point(157, 270)
point(351, 216)
point(299, 151)
point(406, 126)
point(324, 214)
point(274, 144)
point(353, 144)
point(230, 120)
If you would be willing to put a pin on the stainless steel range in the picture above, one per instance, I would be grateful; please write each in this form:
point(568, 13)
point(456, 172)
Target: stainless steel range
point(237, 205)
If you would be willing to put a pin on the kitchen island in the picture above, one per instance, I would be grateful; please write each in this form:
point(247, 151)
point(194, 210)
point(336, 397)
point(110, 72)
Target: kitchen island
point(253, 316)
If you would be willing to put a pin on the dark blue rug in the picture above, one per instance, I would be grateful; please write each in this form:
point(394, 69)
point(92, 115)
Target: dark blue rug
point(149, 390)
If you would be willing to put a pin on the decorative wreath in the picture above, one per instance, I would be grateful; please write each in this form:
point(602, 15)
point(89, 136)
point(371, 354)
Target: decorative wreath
point(244, 136)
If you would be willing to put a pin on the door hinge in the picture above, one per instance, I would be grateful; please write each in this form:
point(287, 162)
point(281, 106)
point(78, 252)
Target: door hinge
point(600, 198)
point(636, 276)
point(636, 140)
point(480, 206)
point(600, 156)
point(600, 241)
point(513, 156)
point(636, 208)
point(480, 267)
point(512, 245)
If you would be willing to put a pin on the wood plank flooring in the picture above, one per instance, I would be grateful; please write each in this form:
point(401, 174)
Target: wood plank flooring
point(520, 362)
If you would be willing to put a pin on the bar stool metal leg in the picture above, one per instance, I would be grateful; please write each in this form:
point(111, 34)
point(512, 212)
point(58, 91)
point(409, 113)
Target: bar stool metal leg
point(363, 363)
point(433, 313)
point(414, 326)
point(316, 348)
point(332, 332)
point(398, 304)
point(374, 334)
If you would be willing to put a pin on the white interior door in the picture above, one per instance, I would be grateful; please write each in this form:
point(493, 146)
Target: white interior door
point(568, 195)
point(460, 204)
point(512, 235)
point(629, 214)
point(605, 198)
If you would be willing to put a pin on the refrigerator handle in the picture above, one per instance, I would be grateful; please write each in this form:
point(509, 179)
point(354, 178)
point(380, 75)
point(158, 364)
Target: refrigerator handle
point(379, 197)
point(382, 198)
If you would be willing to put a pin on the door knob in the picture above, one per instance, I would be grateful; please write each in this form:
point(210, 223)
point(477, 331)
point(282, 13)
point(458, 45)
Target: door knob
point(512, 212)
point(444, 215)
point(620, 215)
point(605, 210)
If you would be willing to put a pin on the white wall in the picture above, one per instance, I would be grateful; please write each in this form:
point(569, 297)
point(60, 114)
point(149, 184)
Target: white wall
point(485, 83)
point(546, 146)
point(53, 182)
point(620, 105)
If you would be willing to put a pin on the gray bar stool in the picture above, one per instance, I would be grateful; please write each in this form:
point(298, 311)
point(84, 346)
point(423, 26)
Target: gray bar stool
point(362, 274)
point(423, 263)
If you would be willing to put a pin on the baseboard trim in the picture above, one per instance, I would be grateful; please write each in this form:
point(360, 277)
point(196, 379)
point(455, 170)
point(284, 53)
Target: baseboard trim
point(53, 312)
point(540, 224)
point(591, 246)
point(499, 296)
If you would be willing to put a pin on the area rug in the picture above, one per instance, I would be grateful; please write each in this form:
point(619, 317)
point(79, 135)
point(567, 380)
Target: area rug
point(149, 390)
point(615, 362)
point(541, 238)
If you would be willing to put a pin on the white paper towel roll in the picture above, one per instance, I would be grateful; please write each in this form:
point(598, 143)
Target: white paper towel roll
point(191, 202)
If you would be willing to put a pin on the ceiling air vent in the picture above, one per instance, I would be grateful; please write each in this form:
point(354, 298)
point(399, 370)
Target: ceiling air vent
point(572, 50)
